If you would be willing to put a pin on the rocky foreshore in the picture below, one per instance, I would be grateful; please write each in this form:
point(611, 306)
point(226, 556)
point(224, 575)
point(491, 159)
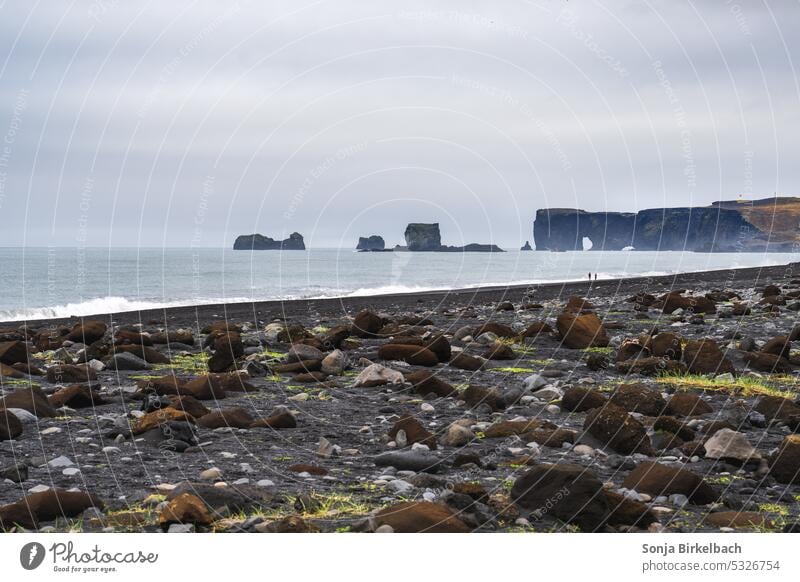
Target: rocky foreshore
point(649, 404)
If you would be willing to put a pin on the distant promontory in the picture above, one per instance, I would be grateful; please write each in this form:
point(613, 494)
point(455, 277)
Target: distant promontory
point(769, 224)
point(259, 242)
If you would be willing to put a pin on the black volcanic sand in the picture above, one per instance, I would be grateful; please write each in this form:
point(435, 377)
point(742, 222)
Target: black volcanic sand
point(499, 477)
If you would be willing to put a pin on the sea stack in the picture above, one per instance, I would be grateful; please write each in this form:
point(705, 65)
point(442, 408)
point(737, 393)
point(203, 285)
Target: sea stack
point(259, 242)
point(371, 243)
point(526, 246)
point(423, 237)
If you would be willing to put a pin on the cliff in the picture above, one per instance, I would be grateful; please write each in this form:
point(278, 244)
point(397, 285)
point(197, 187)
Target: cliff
point(259, 242)
point(370, 243)
point(770, 224)
point(426, 237)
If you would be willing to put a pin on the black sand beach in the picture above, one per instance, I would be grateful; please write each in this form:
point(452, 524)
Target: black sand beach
point(647, 404)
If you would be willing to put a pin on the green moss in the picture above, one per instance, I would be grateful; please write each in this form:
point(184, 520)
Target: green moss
point(745, 385)
point(512, 370)
point(606, 350)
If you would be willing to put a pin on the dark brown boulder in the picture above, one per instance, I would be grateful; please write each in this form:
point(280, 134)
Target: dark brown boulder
point(47, 505)
point(499, 351)
point(578, 305)
point(76, 396)
point(581, 331)
point(779, 346)
point(639, 398)
point(13, 352)
point(657, 479)
point(766, 362)
point(188, 404)
point(777, 408)
point(665, 345)
point(162, 386)
point(158, 418)
point(475, 395)
point(705, 357)
point(87, 332)
point(277, 420)
point(31, 399)
point(425, 382)
point(415, 432)
point(420, 517)
point(569, 492)
point(227, 348)
point(784, 465)
point(10, 426)
point(675, 300)
point(498, 329)
point(625, 511)
point(535, 329)
point(616, 428)
point(414, 355)
point(237, 417)
point(70, 374)
point(129, 336)
point(367, 324)
point(464, 361)
point(579, 399)
point(185, 508)
point(204, 388)
point(9, 372)
point(675, 426)
point(148, 354)
point(507, 428)
point(688, 404)
point(173, 337)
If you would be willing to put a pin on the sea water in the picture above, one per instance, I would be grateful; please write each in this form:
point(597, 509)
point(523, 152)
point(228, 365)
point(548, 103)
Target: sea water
point(59, 282)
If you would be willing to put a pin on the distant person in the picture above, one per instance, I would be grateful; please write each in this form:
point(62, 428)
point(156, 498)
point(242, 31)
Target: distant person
point(595, 276)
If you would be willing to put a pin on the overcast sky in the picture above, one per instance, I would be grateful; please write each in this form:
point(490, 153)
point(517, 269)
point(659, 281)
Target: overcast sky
point(186, 123)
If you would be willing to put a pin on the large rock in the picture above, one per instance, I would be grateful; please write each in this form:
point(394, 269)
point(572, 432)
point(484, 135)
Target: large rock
point(259, 242)
point(423, 237)
point(46, 506)
point(784, 465)
point(687, 404)
point(367, 324)
point(705, 357)
point(378, 375)
point(657, 479)
point(77, 396)
point(639, 398)
point(10, 426)
point(410, 460)
point(581, 331)
point(616, 428)
point(425, 382)
point(185, 508)
point(777, 408)
point(237, 417)
point(414, 431)
point(419, 517)
point(579, 399)
point(87, 332)
point(370, 243)
point(414, 355)
point(31, 399)
point(569, 492)
point(730, 445)
point(13, 352)
point(70, 374)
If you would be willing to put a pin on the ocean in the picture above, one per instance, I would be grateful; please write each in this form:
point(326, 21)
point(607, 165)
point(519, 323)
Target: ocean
point(40, 283)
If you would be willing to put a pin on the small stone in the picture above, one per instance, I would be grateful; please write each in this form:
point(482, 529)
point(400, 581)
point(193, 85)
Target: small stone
point(181, 528)
point(211, 474)
point(51, 430)
point(265, 483)
point(60, 462)
point(425, 407)
point(71, 471)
